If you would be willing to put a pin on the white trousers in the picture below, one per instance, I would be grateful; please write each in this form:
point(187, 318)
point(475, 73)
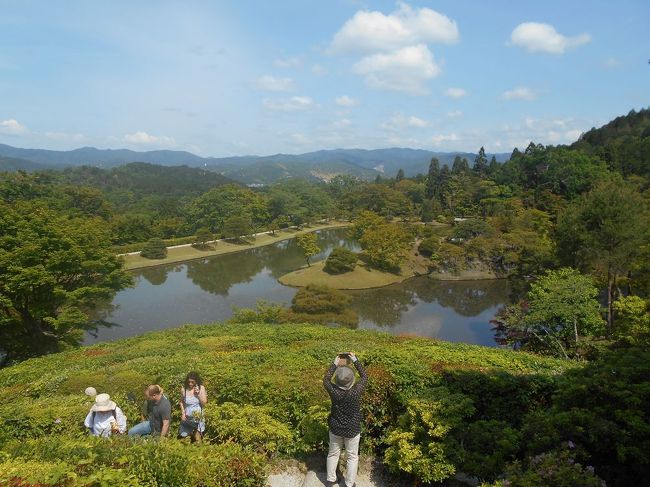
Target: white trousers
point(352, 454)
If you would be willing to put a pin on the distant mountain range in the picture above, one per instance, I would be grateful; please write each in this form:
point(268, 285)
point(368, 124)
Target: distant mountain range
point(319, 165)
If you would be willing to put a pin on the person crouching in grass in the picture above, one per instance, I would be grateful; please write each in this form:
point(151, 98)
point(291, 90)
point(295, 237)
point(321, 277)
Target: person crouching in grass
point(159, 411)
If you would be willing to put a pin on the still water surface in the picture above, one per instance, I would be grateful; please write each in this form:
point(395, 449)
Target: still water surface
point(205, 291)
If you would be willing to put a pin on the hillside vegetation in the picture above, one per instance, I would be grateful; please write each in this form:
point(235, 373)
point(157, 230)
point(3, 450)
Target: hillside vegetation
point(431, 408)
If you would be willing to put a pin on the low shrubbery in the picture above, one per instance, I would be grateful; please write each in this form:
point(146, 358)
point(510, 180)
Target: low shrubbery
point(431, 409)
point(154, 249)
point(340, 260)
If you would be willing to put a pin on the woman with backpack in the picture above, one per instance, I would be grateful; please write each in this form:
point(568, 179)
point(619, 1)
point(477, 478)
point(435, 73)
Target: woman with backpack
point(105, 417)
point(193, 400)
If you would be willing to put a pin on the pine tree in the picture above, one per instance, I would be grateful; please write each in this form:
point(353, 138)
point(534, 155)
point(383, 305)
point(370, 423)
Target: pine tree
point(480, 163)
point(433, 177)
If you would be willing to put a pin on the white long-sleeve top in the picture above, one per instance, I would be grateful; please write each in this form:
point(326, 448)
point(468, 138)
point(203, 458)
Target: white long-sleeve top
point(103, 419)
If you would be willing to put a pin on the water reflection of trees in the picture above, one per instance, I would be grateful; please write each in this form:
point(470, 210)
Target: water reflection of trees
point(385, 306)
point(218, 275)
point(467, 298)
point(155, 275)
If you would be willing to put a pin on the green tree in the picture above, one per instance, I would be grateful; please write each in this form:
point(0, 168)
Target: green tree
point(214, 207)
point(308, 244)
point(400, 175)
point(52, 270)
point(560, 308)
point(237, 226)
point(432, 189)
point(460, 165)
point(386, 246)
point(202, 237)
point(365, 221)
point(480, 163)
point(632, 318)
point(605, 231)
point(154, 249)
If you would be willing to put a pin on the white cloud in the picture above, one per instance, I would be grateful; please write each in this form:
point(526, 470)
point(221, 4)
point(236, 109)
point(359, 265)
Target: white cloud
point(455, 114)
point(295, 103)
point(271, 83)
point(404, 70)
point(64, 136)
point(299, 138)
point(290, 62)
point(521, 93)
point(538, 37)
point(455, 93)
point(346, 101)
point(343, 123)
point(143, 138)
point(400, 122)
point(12, 127)
point(440, 139)
point(374, 31)
point(318, 70)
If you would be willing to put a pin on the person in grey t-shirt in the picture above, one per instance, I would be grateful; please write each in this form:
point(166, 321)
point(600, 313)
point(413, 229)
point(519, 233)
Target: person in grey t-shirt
point(160, 412)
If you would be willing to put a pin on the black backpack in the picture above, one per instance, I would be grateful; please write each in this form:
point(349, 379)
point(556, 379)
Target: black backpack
point(92, 420)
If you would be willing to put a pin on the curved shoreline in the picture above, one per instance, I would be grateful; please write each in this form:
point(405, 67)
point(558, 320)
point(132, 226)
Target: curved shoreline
point(186, 252)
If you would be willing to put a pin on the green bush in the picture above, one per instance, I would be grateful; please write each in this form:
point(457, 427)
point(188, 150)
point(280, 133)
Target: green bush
point(154, 249)
point(122, 461)
point(429, 246)
point(471, 228)
point(341, 260)
point(556, 468)
point(274, 375)
point(422, 444)
point(249, 426)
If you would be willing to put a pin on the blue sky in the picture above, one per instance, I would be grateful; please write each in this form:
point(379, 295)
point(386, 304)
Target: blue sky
point(251, 77)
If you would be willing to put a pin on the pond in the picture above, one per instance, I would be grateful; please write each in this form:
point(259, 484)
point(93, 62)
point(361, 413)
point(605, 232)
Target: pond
point(205, 291)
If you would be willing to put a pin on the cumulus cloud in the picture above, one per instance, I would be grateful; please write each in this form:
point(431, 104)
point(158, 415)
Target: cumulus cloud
point(521, 93)
point(12, 127)
point(441, 138)
point(551, 130)
point(290, 62)
point(455, 114)
point(295, 103)
point(400, 121)
point(374, 31)
point(299, 138)
point(346, 101)
point(271, 83)
point(343, 123)
point(455, 93)
point(404, 70)
point(318, 70)
point(538, 37)
point(143, 138)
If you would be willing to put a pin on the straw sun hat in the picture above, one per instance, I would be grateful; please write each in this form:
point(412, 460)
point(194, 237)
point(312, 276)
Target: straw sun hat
point(103, 403)
point(344, 377)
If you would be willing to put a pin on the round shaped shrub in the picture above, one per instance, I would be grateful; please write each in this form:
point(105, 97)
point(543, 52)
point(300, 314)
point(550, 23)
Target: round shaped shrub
point(154, 249)
point(340, 260)
point(429, 246)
